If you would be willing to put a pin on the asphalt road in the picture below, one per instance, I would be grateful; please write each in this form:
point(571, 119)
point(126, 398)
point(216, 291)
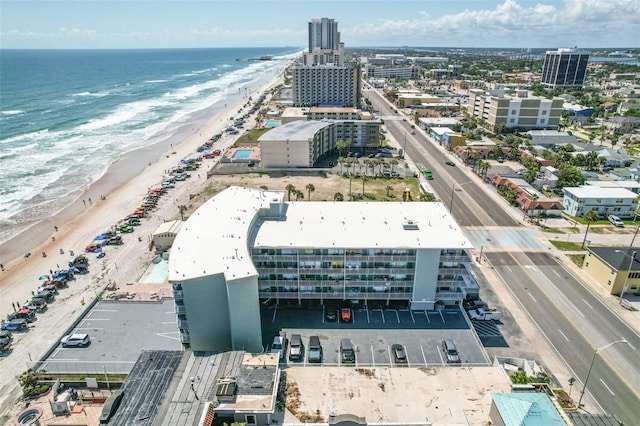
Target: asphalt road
point(574, 321)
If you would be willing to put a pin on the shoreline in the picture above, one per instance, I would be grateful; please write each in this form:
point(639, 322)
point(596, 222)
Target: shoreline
point(180, 144)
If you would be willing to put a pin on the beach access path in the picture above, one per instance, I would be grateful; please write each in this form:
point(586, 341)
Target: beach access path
point(122, 264)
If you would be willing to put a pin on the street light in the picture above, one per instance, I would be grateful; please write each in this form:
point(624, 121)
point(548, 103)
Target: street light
point(453, 188)
point(595, 353)
point(632, 259)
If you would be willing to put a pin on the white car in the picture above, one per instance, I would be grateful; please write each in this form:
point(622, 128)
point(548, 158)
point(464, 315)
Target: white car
point(75, 340)
point(615, 220)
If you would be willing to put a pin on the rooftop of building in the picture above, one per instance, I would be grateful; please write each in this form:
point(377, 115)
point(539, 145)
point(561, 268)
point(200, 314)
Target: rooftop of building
point(295, 130)
point(342, 110)
point(527, 409)
point(170, 226)
point(590, 191)
point(617, 258)
point(362, 225)
point(216, 238)
point(614, 183)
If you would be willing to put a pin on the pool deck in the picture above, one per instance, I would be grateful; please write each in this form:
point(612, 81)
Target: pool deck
point(138, 292)
point(255, 153)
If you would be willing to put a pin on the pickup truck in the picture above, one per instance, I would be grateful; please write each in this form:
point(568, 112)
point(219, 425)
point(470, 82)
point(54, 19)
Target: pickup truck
point(483, 315)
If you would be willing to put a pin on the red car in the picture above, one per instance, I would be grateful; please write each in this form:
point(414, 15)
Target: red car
point(345, 314)
point(210, 155)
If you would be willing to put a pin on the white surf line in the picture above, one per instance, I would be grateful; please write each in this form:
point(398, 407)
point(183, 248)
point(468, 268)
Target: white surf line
point(531, 296)
point(608, 388)
point(563, 335)
point(587, 303)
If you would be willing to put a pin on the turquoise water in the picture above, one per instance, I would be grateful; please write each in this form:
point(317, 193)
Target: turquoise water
point(242, 153)
point(157, 272)
point(272, 123)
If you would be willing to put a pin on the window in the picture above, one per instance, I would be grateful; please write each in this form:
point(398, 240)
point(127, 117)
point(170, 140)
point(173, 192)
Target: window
point(251, 420)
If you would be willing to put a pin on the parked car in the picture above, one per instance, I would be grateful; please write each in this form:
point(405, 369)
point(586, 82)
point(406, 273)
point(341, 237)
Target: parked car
point(77, 340)
point(483, 315)
point(115, 241)
point(5, 340)
point(450, 163)
point(47, 295)
point(615, 220)
point(399, 354)
point(347, 353)
point(296, 348)
point(450, 351)
point(330, 314)
point(315, 349)
point(17, 324)
point(126, 228)
point(279, 346)
point(37, 304)
point(346, 315)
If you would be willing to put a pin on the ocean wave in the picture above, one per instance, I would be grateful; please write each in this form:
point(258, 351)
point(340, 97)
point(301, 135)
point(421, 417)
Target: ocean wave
point(155, 81)
point(92, 94)
point(13, 112)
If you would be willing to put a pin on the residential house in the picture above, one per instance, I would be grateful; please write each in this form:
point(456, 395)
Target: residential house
point(620, 125)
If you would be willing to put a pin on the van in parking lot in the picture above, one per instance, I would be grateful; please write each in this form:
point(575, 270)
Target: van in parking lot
point(296, 347)
point(315, 349)
point(450, 350)
point(347, 354)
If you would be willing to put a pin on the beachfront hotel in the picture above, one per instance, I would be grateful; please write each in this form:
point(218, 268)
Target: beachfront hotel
point(303, 143)
point(245, 246)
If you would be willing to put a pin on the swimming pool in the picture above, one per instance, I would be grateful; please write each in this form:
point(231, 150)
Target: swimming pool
point(272, 123)
point(242, 153)
point(157, 272)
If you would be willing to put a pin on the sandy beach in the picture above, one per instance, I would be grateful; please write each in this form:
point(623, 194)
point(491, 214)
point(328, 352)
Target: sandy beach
point(124, 185)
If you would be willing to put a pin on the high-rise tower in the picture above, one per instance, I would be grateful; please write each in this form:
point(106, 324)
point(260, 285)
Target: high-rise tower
point(564, 68)
point(323, 34)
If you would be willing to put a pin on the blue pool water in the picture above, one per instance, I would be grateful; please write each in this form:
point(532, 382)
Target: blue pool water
point(242, 153)
point(272, 123)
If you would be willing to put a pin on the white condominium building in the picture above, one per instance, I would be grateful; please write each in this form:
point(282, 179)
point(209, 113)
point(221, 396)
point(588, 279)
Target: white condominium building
point(326, 85)
point(244, 246)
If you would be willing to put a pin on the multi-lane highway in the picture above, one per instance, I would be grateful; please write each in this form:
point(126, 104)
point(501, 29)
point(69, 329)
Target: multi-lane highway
point(573, 320)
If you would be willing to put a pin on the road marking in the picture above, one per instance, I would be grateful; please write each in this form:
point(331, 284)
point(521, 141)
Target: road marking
point(531, 296)
point(608, 388)
point(64, 359)
point(412, 317)
point(168, 322)
point(443, 321)
point(555, 272)
point(426, 314)
point(98, 319)
point(398, 317)
point(629, 344)
point(440, 355)
point(563, 335)
point(368, 319)
point(382, 313)
point(274, 314)
point(104, 310)
point(508, 269)
point(587, 303)
point(373, 358)
point(424, 357)
point(88, 328)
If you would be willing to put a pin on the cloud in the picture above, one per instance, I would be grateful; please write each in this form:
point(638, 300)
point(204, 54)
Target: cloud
point(76, 31)
point(587, 22)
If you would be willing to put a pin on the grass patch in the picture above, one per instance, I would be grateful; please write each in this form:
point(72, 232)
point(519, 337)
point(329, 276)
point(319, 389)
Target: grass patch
point(578, 259)
point(567, 245)
point(250, 137)
point(554, 230)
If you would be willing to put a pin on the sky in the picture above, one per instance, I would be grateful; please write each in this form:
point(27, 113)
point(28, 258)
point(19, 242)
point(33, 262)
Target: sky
point(107, 24)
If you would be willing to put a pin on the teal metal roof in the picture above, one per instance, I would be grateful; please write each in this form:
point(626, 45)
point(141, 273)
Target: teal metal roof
point(526, 409)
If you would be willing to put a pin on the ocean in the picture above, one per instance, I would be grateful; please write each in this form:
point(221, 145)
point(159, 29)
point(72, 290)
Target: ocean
point(65, 115)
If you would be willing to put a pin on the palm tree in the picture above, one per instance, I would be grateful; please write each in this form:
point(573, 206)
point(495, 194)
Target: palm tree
point(182, 208)
point(388, 188)
point(290, 188)
point(299, 195)
point(341, 161)
point(310, 189)
point(338, 196)
point(590, 216)
point(393, 162)
point(364, 179)
point(350, 180)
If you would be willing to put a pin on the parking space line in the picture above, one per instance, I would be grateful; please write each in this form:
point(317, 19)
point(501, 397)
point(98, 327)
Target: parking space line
point(168, 322)
point(274, 314)
point(424, 358)
point(368, 319)
point(88, 328)
point(373, 358)
point(440, 355)
point(389, 353)
point(104, 310)
point(412, 317)
point(441, 316)
point(398, 316)
point(382, 313)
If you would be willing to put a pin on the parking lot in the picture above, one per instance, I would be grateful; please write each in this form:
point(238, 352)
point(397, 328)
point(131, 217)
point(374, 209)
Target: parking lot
point(118, 332)
point(373, 331)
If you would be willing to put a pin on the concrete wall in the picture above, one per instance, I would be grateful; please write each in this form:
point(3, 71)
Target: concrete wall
point(207, 314)
point(244, 314)
point(425, 280)
point(285, 153)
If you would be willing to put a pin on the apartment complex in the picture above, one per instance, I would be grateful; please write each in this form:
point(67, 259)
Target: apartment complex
point(521, 110)
point(564, 68)
point(263, 247)
point(405, 72)
point(617, 269)
point(621, 202)
point(302, 143)
point(323, 34)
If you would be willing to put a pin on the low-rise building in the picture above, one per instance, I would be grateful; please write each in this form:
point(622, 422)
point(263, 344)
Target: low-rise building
point(613, 268)
point(531, 202)
point(621, 125)
point(165, 234)
point(578, 201)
